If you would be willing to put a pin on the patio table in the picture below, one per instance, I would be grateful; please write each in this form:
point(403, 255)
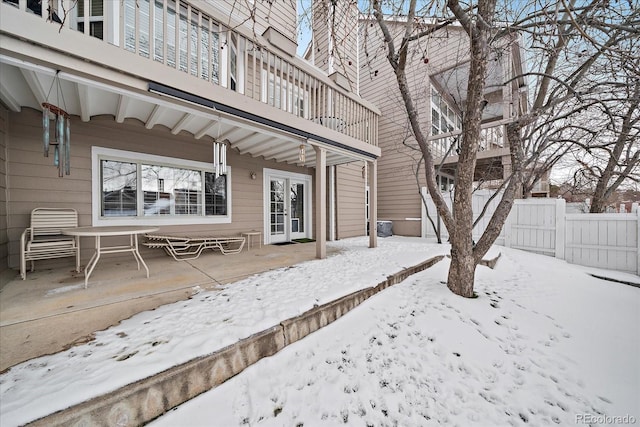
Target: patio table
point(99, 232)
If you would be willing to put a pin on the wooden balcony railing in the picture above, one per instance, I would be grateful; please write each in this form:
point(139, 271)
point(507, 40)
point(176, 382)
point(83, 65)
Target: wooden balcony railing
point(178, 34)
point(492, 137)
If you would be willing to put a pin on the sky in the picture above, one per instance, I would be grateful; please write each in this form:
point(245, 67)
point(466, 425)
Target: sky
point(544, 341)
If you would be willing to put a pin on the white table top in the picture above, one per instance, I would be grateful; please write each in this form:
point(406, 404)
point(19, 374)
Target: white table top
point(109, 231)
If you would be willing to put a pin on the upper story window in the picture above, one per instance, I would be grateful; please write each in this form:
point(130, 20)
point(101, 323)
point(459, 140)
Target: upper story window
point(94, 18)
point(135, 188)
point(444, 119)
point(182, 37)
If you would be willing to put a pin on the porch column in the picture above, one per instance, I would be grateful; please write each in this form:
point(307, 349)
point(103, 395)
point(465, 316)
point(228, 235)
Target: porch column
point(320, 204)
point(373, 203)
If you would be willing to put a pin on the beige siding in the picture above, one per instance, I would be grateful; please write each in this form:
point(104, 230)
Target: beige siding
point(280, 14)
point(34, 180)
point(398, 190)
point(337, 29)
point(350, 201)
point(3, 190)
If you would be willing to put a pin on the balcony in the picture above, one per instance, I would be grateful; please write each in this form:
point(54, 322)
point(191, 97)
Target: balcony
point(492, 147)
point(172, 63)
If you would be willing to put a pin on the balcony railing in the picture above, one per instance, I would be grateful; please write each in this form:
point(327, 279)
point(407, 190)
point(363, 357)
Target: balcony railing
point(179, 35)
point(492, 137)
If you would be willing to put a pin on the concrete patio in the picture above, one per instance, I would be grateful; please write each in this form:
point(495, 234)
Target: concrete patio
point(51, 310)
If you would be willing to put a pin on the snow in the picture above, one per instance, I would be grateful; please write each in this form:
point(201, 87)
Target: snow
point(544, 343)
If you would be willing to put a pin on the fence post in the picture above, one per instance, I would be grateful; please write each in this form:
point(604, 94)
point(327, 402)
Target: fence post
point(561, 210)
point(506, 228)
point(423, 212)
point(638, 244)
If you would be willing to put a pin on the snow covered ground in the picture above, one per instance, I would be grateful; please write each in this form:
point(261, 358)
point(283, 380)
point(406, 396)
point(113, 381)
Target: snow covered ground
point(545, 343)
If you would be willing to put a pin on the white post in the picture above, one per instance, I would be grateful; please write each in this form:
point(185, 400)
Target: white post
point(373, 203)
point(561, 210)
point(423, 212)
point(638, 243)
point(321, 202)
point(506, 228)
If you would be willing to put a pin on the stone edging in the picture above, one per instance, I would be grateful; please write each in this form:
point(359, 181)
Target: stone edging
point(144, 400)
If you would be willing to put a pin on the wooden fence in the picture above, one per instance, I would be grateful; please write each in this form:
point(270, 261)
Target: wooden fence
point(608, 241)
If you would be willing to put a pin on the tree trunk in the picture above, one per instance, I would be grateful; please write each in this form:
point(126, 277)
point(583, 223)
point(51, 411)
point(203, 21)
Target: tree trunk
point(462, 273)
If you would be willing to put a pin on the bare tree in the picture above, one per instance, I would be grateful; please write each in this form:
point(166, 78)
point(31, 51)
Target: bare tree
point(566, 41)
point(613, 156)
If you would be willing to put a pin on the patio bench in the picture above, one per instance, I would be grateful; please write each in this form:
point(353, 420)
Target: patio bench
point(183, 248)
point(44, 239)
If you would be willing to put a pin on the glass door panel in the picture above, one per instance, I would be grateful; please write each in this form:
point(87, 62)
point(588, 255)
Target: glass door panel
point(297, 209)
point(277, 210)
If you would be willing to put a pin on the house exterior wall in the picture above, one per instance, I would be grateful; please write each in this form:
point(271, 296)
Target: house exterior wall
point(335, 39)
point(398, 191)
point(35, 181)
point(281, 15)
point(350, 201)
point(3, 189)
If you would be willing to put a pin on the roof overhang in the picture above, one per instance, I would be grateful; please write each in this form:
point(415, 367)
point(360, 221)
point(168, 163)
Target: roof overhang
point(27, 84)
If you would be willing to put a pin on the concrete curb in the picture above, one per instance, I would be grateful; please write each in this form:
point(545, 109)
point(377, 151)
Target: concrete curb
point(147, 399)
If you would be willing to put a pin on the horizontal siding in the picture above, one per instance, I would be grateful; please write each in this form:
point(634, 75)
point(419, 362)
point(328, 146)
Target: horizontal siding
point(280, 14)
point(35, 183)
point(398, 190)
point(350, 201)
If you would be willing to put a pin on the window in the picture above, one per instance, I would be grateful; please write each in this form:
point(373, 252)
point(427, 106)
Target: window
point(95, 18)
point(135, 188)
point(444, 119)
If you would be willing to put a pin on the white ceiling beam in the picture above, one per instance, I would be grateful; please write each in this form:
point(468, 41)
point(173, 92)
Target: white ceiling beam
point(262, 129)
point(154, 117)
point(83, 101)
point(7, 98)
point(273, 154)
point(255, 145)
point(182, 124)
point(245, 139)
point(211, 126)
point(35, 86)
point(234, 130)
point(121, 110)
point(267, 147)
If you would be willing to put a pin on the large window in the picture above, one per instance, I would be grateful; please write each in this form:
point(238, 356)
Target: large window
point(135, 188)
point(444, 119)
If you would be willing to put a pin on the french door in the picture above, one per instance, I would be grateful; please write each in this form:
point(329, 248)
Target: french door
point(288, 203)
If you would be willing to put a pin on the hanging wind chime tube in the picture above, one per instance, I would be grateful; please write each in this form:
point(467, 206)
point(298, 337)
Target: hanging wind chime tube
point(219, 159)
point(45, 129)
point(61, 131)
point(67, 148)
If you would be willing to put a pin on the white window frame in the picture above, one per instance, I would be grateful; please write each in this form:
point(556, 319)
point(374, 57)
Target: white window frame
point(267, 174)
point(106, 10)
point(100, 153)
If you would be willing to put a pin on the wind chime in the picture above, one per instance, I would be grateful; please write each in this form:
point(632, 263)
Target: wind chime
point(219, 159)
point(61, 141)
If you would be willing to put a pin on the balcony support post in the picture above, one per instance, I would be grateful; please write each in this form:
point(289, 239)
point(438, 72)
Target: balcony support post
point(321, 202)
point(373, 203)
